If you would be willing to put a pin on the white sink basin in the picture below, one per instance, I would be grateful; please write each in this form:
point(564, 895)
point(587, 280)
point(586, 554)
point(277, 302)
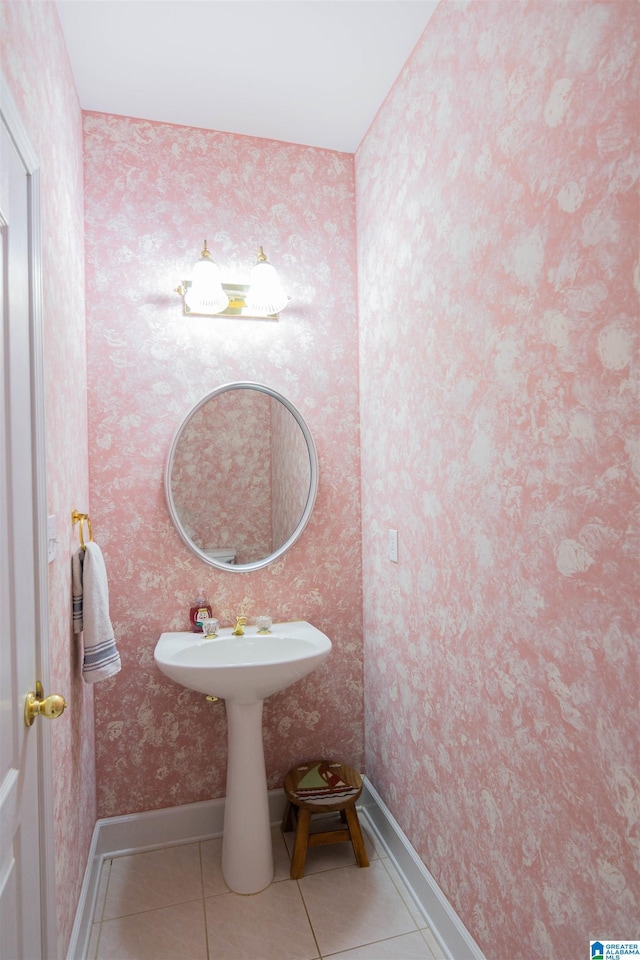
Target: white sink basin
point(242, 669)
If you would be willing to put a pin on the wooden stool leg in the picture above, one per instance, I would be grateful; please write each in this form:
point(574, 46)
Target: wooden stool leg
point(356, 837)
point(301, 843)
point(287, 819)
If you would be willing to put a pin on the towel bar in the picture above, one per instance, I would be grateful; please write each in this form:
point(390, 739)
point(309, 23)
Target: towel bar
point(78, 517)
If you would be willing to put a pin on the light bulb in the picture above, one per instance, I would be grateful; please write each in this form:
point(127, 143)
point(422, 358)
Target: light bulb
point(266, 294)
point(205, 295)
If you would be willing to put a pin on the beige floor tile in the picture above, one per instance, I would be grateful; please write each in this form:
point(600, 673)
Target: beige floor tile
point(433, 944)
point(158, 878)
point(331, 855)
point(103, 883)
point(353, 906)
point(173, 933)
point(211, 852)
point(410, 946)
point(406, 896)
point(93, 942)
point(272, 925)
point(212, 879)
point(281, 858)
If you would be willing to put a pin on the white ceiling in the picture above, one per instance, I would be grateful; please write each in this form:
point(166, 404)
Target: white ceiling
point(303, 71)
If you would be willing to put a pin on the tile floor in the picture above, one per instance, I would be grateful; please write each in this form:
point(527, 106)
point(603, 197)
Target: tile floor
point(172, 904)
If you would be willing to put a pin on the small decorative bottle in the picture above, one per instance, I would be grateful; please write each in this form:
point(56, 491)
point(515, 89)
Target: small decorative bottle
point(200, 610)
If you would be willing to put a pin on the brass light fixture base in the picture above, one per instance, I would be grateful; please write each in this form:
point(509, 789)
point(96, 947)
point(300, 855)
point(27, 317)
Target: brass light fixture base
point(237, 293)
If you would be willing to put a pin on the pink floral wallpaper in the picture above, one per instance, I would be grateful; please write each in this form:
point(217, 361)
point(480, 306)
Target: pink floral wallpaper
point(497, 199)
point(497, 218)
point(290, 472)
point(221, 475)
point(153, 192)
point(35, 65)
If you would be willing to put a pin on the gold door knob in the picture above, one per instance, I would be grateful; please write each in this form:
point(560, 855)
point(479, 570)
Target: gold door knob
point(37, 705)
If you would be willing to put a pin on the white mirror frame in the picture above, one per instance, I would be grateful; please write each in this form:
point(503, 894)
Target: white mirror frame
point(313, 483)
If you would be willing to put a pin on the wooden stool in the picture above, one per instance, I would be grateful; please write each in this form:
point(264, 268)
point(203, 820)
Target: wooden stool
point(322, 786)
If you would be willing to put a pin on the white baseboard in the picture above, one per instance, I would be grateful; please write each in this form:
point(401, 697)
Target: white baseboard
point(138, 832)
point(191, 822)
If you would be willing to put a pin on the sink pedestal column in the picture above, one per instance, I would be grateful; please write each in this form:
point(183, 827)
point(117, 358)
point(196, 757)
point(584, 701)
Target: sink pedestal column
point(247, 854)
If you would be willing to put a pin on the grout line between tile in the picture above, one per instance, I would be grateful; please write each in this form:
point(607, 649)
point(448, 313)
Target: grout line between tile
point(206, 928)
point(313, 933)
point(97, 949)
point(106, 868)
point(371, 943)
point(410, 903)
point(162, 906)
point(204, 906)
point(104, 893)
point(404, 894)
point(432, 944)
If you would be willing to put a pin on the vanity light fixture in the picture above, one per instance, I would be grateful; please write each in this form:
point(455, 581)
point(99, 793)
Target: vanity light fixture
point(206, 295)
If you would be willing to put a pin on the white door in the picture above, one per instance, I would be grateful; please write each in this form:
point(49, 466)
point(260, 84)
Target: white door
point(22, 920)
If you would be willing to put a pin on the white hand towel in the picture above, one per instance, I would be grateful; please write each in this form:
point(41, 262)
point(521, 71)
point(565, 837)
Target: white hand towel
point(91, 614)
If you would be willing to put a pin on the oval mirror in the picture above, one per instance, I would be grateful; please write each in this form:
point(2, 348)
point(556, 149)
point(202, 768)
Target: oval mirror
point(241, 477)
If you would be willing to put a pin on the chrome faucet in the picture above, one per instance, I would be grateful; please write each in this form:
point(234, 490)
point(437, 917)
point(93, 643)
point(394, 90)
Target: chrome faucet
point(238, 630)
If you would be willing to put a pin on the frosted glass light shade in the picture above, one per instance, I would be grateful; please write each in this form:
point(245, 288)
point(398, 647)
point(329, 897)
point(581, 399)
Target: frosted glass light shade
point(266, 294)
point(205, 295)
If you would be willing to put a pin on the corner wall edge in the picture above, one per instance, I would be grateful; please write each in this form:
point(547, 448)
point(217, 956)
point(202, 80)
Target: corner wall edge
point(453, 937)
point(204, 820)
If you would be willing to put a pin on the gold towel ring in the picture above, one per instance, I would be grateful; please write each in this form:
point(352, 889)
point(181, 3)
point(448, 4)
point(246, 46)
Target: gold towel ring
point(80, 518)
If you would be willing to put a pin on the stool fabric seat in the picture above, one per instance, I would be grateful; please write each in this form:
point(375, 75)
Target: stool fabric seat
point(322, 786)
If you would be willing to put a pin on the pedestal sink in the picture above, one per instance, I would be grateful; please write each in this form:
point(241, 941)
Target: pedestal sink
point(243, 671)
